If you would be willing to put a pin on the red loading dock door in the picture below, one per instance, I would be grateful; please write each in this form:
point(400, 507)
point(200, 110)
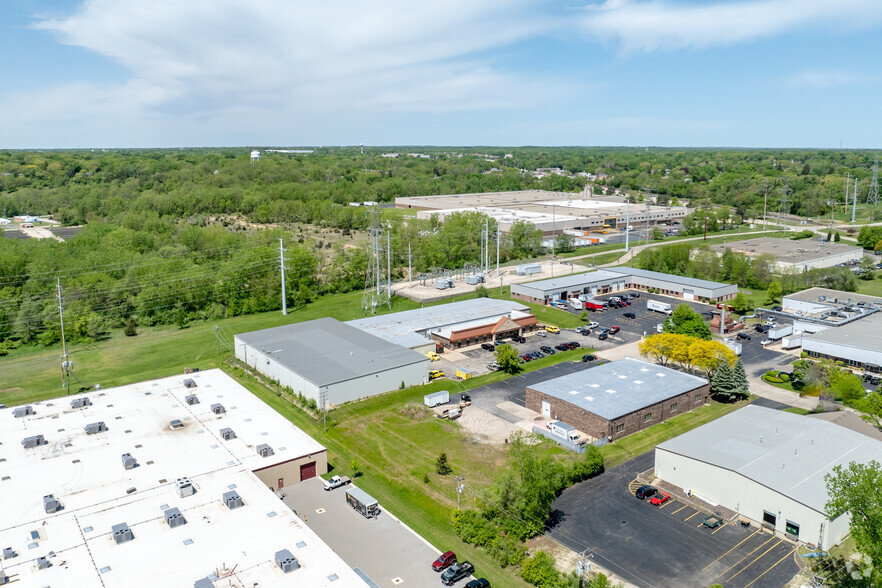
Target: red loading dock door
point(307, 471)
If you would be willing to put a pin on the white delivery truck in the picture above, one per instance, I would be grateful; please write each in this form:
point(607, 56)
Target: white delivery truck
point(792, 341)
point(776, 333)
point(658, 306)
point(436, 398)
point(576, 304)
point(564, 431)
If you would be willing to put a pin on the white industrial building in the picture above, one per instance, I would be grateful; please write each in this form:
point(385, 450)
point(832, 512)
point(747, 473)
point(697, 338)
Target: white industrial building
point(330, 357)
point(768, 466)
point(816, 309)
point(794, 255)
point(615, 279)
point(858, 344)
point(160, 483)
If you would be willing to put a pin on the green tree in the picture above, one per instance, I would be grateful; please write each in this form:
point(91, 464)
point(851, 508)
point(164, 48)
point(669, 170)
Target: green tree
point(740, 303)
point(481, 291)
point(871, 408)
point(539, 570)
point(774, 291)
point(685, 321)
point(837, 237)
point(583, 316)
point(730, 383)
point(564, 243)
point(131, 328)
point(829, 236)
point(855, 490)
point(507, 359)
point(525, 239)
point(656, 234)
point(441, 465)
point(354, 467)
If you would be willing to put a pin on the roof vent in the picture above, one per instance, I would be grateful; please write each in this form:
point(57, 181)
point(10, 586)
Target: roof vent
point(9, 553)
point(185, 487)
point(264, 450)
point(228, 434)
point(189, 383)
point(174, 518)
point(175, 424)
point(50, 504)
point(191, 399)
point(129, 462)
point(233, 500)
point(80, 402)
point(286, 561)
point(22, 411)
point(33, 441)
point(93, 428)
point(43, 563)
point(218, 408)
point(122, 533)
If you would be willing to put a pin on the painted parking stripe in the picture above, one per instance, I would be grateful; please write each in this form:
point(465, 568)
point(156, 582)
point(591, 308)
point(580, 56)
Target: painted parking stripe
point(692, 515)
point(773, 565)
point(679, 509)
point(758, 557)
point(667, 503)
point(721, 526)
point(731, 550)
point(746, 556)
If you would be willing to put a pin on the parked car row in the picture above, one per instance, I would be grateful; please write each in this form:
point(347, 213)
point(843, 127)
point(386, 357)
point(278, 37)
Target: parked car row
point(655, 497)
point(567, 346)
point(452, 571)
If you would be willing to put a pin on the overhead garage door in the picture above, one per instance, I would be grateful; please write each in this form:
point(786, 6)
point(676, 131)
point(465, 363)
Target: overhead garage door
point(688, 294)
point(307, 471)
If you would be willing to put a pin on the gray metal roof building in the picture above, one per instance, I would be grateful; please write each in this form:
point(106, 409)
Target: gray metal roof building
point(800, 254)
point(325, 353)
point(768, 465)
point(858, 343)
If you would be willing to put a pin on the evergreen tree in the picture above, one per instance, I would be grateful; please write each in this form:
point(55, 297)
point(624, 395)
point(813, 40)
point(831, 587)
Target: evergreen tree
point(837, 237)
point(723, 382)
point(829, 236)
point(741, 380)
point(131, 328)
point(441, 465)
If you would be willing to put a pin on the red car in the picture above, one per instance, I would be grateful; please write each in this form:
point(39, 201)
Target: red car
point(444, 561)
point(660, 498)
point(614, 329)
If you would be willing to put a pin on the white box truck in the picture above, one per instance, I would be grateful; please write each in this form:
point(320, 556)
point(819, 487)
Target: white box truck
point(436, 398)
point(776, 333)
point(576, 304)
point(564, 431)
point(658, 306)
point(792, 341)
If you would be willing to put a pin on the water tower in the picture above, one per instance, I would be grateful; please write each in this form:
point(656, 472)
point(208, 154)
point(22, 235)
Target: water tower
point(255, 156)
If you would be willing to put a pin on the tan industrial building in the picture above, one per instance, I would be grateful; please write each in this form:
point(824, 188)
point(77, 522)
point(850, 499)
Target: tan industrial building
point(794, 255)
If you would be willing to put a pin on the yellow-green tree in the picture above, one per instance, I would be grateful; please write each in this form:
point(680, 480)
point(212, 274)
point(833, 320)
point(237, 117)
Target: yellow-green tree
point(665, 348)
point(708, 356)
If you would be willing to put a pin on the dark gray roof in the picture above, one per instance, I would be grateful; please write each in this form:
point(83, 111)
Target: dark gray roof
point(681, 280)
point(571, 281)
point(786, 452)
point(326, 351)
point(620, 387)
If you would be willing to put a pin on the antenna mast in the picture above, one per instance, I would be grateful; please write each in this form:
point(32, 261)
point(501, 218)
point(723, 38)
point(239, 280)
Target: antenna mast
point(375, 294)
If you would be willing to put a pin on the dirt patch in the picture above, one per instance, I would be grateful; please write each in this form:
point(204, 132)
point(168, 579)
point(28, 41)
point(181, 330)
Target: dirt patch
point(414, 411)
point(485, 427)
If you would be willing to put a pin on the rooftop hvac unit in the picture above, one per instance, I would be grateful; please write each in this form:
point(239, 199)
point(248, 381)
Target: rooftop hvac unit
point(23, 411)
point(33, 441)
point(264, 450)
point(43, 563)
point(174, 518)
point(129, 462)
point(233, 500)
point(228, 434)
point(185, 487)
point(9, 553)
point(80, 403)
point(191, 399)
point(189, 383)
point(286, 561)
point(50, 504)
point(93, 428)
point(218, 408)
point(122, 533)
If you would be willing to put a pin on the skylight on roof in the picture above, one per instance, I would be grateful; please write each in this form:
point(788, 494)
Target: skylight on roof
point(610, 390)
point(623, 377)
point(637, 382)
point(594, 385)
point(589, 398)
point(574, 391)
point(660, 375)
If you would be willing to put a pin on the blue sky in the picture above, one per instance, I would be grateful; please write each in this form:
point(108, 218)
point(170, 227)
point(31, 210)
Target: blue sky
point(753, 73)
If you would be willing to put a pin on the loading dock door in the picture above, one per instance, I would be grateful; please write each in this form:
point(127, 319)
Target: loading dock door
point(688, 294)
point(307, 471)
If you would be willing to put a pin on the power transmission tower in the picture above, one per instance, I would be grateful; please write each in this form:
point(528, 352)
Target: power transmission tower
point(783, 202)
point(873, 194)
point(375, 295)
point(66, 364)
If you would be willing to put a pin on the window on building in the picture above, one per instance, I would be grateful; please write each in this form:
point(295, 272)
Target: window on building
point(792, 528)
point(647, 417)
point(698, 398)
point(620, 428)
point(674, 406)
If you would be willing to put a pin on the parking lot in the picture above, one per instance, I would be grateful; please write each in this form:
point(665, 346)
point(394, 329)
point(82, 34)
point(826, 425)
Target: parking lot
point(381, 549)
point(668, 545)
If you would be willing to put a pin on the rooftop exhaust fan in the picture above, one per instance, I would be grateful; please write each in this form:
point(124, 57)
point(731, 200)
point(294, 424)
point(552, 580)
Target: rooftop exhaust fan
point(286, 561)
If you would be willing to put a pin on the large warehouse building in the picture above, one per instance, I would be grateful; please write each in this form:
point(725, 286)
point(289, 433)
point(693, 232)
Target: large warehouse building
point(548, 211)
point(452, 325)
point(769, 466)
point(858, 344)
point(790, 255)
point(328, 357)
point(162, 483)
point(615, 279)
point(816, 309)
point(616, 399)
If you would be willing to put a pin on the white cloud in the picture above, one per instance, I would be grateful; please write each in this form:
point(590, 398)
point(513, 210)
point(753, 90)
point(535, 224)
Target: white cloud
point(645, 26)
point(827, 78)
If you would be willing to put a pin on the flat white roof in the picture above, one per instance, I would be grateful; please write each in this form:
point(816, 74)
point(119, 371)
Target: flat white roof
point(86, 474)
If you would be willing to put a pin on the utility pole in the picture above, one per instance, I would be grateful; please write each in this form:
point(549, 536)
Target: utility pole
point(389, 266)
point(845, 202)
point(282, 265)
point(409, 272)
point(323, 396)
point(854, 200)
point(66, 365)
point(583, 566)
point(705, 218)
point(765, 197)
point(459, 488)
point(487, 247)
point(627, 223)
point(217, 337)
point(497, 247)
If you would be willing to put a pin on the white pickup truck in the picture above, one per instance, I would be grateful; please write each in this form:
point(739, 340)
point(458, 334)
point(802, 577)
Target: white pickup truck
point(336, 482)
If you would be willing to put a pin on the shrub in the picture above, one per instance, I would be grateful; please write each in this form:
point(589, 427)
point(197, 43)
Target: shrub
point(840, 363)
point(784, 378)
point(772, 379)
point(803, 355)
point(311, 404)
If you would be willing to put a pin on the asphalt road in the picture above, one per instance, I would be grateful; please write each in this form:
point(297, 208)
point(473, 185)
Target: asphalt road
point(666, 546)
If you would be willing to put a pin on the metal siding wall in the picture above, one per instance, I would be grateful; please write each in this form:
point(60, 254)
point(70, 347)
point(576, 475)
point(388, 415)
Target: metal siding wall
point(871, 356)
point(803, 305)
point(374, 384)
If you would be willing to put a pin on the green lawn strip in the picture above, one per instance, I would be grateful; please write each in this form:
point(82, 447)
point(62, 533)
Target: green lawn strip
point(642, 441)
point(797, 410)
point(870, 287)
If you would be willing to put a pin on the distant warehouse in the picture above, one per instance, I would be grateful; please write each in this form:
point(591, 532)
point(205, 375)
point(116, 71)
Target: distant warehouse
point(618, 398)
point(615, 279)
point(327, 355)
point(790, 255)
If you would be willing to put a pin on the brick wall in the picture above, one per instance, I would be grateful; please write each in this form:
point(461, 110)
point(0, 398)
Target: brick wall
point(598, 427)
